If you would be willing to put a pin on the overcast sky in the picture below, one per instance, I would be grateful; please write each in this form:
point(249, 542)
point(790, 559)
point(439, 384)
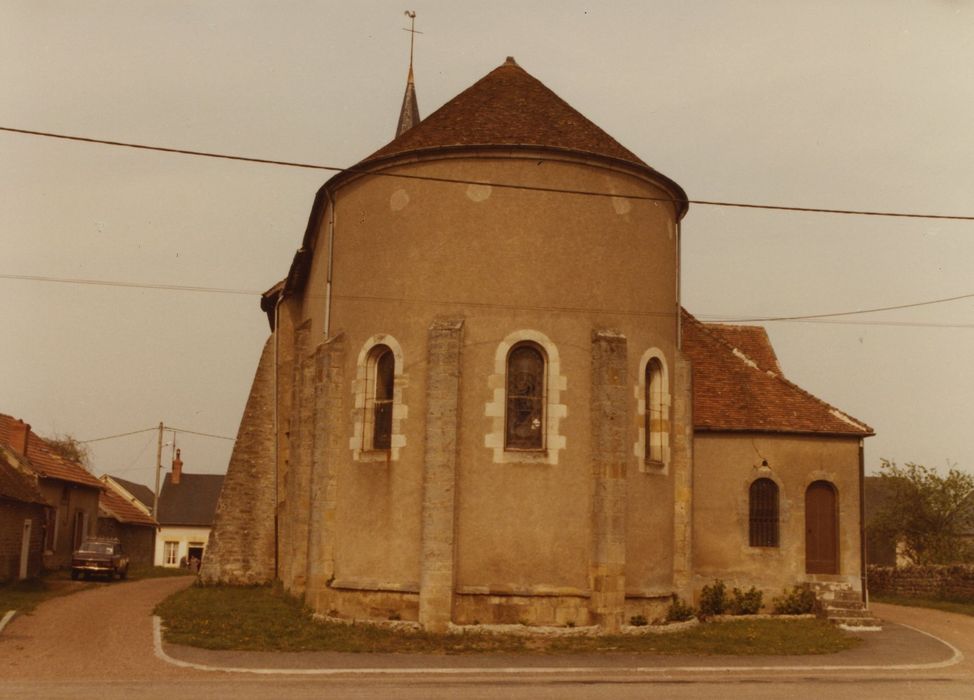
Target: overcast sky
point(866, 104)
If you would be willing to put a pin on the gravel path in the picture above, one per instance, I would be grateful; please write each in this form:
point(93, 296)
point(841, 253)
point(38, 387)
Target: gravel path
point(104, 633)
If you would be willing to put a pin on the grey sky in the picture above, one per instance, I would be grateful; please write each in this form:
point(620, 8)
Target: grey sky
point(865, 105)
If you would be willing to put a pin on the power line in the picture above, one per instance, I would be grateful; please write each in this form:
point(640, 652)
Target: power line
point(194, 432)
point(516, 307)
point(852, 313)
point(136, 285)
point(119, 435)
point(500, 185)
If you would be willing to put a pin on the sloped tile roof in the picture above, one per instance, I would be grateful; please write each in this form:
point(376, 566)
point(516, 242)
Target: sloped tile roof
point(114, 505)
point(508, 107)
point(15, 485)
point(44, 460)
point(143, 493)
point(740, 388)
point(190, 502)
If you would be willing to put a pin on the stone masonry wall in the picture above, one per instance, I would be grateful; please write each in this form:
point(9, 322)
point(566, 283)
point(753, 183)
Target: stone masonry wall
point(944, 582)
point(609, 458)
point(241, 544)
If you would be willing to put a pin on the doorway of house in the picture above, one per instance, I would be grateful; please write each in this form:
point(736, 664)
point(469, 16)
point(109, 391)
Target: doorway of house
point(821, 529)
point(194, 553)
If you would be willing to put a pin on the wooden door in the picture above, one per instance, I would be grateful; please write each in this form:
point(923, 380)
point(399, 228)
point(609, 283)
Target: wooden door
point(821, 529)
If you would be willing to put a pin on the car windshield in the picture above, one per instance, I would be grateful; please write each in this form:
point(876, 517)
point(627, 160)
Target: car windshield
point(96, 548)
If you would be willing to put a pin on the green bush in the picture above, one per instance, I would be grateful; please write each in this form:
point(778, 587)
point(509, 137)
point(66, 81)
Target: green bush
point(679, 611)
point(800, 601)
point(713, 599)
point(746, 602)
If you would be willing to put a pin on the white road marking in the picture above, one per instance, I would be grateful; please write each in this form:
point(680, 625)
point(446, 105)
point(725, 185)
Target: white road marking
point(955, 658)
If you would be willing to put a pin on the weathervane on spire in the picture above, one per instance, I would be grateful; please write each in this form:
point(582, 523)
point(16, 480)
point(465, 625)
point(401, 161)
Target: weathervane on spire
point(411, 14)
point(409, 115)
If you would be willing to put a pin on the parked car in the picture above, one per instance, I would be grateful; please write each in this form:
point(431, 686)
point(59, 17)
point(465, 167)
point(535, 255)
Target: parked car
point(100, 556)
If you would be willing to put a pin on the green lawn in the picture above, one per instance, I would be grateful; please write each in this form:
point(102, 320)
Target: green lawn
point(964, 607)
point(263, 618)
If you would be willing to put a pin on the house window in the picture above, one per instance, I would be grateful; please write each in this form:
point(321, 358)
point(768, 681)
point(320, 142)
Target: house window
point(655, 416)
point(382, 372)
point(763, 498)
point(170, 555)
point(525, 421)
point(80, 528)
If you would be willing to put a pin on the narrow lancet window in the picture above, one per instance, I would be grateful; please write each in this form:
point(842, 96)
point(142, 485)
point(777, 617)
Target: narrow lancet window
point(763, 498)
point(525, 398)
point(384, 373)
point(655, 422)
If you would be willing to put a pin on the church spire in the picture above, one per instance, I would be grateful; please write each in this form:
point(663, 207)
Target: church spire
point(409, 114)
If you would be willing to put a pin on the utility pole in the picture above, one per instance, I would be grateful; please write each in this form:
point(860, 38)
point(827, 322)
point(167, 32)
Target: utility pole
point(155, 500)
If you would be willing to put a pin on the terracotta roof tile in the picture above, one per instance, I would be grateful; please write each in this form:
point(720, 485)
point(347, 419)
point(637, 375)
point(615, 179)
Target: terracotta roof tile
point(114, 505)
point(741, 388)
point(508, 107)
point(15, 485)
point(44, 459)
point(143, 493)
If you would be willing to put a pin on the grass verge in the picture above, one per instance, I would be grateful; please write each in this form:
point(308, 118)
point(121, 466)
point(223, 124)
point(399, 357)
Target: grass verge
point(963, 607)
point(265, 619)
point(26, 595)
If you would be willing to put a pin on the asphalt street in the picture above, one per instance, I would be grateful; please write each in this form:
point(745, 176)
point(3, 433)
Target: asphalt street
point(102, 643)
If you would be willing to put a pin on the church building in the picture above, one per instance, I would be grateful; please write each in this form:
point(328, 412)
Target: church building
point(482, 402)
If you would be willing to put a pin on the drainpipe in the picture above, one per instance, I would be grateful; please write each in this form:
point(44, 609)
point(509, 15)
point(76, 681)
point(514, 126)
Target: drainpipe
point(862, 523)
point(277, 432)
point(331, 259)
point(679, 283)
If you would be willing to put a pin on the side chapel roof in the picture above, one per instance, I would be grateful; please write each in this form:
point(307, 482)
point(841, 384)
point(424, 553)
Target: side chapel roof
point(738, 386)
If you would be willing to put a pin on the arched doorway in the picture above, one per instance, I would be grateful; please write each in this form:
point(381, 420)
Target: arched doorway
point(821, 529)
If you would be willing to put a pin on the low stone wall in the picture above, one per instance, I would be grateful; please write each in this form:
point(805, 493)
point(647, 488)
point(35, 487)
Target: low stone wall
point(947, 582)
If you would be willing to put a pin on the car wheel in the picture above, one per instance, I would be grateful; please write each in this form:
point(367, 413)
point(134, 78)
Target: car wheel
point(74, 575)
point(124, 573)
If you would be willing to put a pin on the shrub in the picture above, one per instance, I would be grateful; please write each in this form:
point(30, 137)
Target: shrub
point(713, 599)
point(638, 621)
point(679, 611)
point(800, 601)
point(746, 602)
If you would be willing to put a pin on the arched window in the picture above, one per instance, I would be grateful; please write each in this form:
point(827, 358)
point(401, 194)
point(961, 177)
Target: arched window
point(763, 499)
point(655, 415)
point(525, 420)
point(382, 373)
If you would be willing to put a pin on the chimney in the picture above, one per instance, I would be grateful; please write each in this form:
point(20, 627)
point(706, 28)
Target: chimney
point(19, 436)
point(177, 469)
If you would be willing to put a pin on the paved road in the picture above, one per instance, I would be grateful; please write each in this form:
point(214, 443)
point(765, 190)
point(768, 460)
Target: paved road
point(99, 643)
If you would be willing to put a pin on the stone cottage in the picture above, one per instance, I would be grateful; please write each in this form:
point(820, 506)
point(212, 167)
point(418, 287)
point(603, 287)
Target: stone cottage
point(481, 400)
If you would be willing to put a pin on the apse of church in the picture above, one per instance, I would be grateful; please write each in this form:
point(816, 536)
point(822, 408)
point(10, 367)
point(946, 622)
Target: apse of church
point(475, 405)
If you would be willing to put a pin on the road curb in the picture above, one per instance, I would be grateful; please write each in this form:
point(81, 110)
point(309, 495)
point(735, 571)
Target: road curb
point(956, 657)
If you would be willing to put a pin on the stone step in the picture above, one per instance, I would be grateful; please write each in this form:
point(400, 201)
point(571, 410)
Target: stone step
point(843, 604)
point(847, 612)
point(853, 623)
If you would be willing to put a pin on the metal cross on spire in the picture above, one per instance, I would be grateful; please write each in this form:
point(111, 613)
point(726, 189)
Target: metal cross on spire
point(409, 114)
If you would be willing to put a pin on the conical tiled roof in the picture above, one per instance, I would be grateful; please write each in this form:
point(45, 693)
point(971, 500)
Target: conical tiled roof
point(508, 107)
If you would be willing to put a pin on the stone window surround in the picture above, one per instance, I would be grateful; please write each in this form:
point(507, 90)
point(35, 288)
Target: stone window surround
point(555, 410)
point(639, 391)
point(358, 443)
